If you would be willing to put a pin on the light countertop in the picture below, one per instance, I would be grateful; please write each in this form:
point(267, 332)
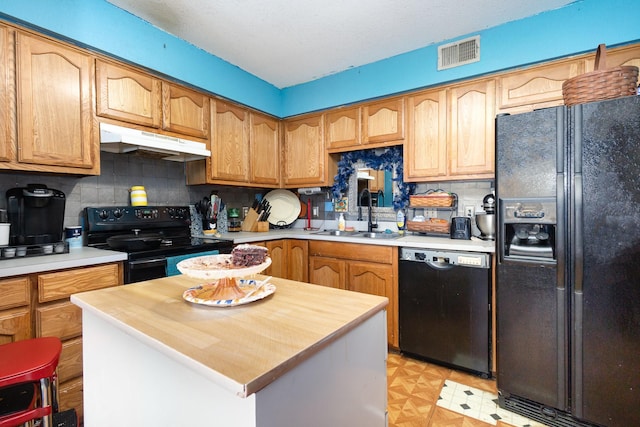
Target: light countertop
point(242, 348)
point(81, 257)
point(408, 240)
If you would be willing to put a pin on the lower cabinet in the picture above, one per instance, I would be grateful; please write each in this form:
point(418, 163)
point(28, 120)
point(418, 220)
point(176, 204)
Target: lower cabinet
point(355, 267)
point(288, 259)
point(38, 305)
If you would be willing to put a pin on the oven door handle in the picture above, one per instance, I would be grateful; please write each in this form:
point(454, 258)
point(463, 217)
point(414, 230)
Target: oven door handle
point(147, 262)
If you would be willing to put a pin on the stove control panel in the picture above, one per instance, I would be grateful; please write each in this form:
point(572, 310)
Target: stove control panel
point(124, 217)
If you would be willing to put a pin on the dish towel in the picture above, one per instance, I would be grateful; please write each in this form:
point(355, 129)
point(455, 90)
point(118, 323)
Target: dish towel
point(172, 261)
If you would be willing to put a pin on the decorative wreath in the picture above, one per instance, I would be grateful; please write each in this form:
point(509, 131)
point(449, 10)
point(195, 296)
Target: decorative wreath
point(390, 160)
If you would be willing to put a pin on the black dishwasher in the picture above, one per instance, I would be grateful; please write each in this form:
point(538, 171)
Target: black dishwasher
point(445, 308)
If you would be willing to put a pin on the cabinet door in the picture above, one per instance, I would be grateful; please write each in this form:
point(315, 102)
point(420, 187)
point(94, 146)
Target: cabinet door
point(537, 87)
point(264, 150)
point(383, 121)
point(304, 151)
point(277, 252)
point(7, 94)
point(230, 142)
point(15, 292)
point(15, 325)
point(471, 130)
point(327, 272)
point(298, 260)
point(425, 151)
point(185, 111)
point(375, 279)
point(343, 128)
point(55, 115)
point(62, 320)
point(128, 95)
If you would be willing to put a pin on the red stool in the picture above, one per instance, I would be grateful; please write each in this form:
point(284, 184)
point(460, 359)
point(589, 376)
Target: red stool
point(31, 361)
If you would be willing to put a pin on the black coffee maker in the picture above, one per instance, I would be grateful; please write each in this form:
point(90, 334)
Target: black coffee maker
point(36, 214)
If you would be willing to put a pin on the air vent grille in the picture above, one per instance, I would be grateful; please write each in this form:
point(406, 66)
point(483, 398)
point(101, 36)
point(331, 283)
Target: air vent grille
point(459, 53)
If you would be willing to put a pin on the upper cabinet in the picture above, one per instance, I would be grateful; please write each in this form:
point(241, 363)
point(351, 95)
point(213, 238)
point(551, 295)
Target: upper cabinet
point(229, 142)
point(264, 150)
point(383, 121)
point(425, 150)
point(245, 149)
point(471, 131)
point(343, 128)
point(306, 161)
point(128, 95)
point(451, 133)
point(7, 95)
point(132, 96)
point(185, 111)
point(536, 87)
point(55, 130)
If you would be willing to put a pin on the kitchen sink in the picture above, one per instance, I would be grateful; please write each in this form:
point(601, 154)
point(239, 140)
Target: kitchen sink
point(359, 234)
point(337, 233)
point(377, 235)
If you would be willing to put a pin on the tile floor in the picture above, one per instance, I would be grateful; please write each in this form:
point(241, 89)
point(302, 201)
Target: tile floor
point(422, 394)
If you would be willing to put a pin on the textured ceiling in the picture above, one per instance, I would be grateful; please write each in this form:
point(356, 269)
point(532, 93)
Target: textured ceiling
point(287, 42)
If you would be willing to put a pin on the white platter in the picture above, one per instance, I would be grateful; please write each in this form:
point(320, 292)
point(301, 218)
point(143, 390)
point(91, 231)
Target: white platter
point(285, 207)
point(214, 267)
point(264, 290)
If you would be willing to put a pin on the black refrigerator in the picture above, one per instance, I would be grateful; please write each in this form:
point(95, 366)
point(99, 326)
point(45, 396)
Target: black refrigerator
point(568, 265)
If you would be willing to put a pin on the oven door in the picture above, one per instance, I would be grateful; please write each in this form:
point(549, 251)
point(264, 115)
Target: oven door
point(140, 270)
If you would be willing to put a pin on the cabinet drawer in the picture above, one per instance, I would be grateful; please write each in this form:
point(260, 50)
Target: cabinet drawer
point(62, 320)
point(70, 365)
point(70, 394)
point(61, 284)
point(15, 292)
point(15, 325)
point(379, 254)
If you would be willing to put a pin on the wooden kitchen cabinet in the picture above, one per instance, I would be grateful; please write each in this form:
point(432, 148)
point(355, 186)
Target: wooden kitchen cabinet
point(425, 150)
point(185, 111)
point(128, 95)
point(306, 161)
point(471, 131)
point(245, 149)
point(15, 315)
point(343, 128)
point(229, 143)
point(383, 121)
point(7, 94)
point(55, 112)
point(536, 87)
point(289, 259)
point(264, 150)
point(356, 267)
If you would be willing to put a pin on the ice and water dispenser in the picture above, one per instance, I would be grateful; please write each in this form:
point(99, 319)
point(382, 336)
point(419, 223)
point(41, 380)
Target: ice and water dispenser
point(528, 229)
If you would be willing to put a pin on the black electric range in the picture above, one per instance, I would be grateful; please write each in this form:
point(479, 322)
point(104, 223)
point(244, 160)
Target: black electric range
point(172, 226)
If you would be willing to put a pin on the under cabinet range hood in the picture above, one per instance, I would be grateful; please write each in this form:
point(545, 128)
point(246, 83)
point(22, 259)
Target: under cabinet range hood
point(118, 139)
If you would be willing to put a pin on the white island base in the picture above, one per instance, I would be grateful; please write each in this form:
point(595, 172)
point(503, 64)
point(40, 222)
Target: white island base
point(132, 381)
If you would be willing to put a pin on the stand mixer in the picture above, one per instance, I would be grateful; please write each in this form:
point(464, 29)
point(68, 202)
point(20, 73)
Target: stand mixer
point(486, 221)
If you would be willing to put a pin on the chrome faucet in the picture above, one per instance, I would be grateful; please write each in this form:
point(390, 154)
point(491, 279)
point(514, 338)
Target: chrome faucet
point(370, 224)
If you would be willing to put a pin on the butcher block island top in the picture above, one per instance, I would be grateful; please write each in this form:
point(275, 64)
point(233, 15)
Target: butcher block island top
point(242, 348)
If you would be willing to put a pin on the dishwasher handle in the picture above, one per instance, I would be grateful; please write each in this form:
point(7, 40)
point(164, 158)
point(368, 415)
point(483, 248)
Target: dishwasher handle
point(439, 265)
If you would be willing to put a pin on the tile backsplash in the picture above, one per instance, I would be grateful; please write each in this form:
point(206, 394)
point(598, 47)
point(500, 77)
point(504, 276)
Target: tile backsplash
point(164, 182)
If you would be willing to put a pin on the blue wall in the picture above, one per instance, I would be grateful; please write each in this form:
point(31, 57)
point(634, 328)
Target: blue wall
point(577, 28)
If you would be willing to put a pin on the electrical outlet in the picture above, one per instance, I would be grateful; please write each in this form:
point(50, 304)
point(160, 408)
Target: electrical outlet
point(469, 210)
point(430, 213)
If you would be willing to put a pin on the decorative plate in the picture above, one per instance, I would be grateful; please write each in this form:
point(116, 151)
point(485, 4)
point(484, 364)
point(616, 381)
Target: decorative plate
point(213, 267)
point(263, 290)
point(285, 207)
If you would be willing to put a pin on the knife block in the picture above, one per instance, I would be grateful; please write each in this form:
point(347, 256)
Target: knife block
point(250, 222)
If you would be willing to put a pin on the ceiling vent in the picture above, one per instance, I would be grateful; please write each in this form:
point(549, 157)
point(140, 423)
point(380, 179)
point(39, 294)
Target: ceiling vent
point(459, 53)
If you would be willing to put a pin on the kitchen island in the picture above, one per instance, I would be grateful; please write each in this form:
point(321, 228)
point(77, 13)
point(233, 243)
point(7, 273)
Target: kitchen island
point(305, 355)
